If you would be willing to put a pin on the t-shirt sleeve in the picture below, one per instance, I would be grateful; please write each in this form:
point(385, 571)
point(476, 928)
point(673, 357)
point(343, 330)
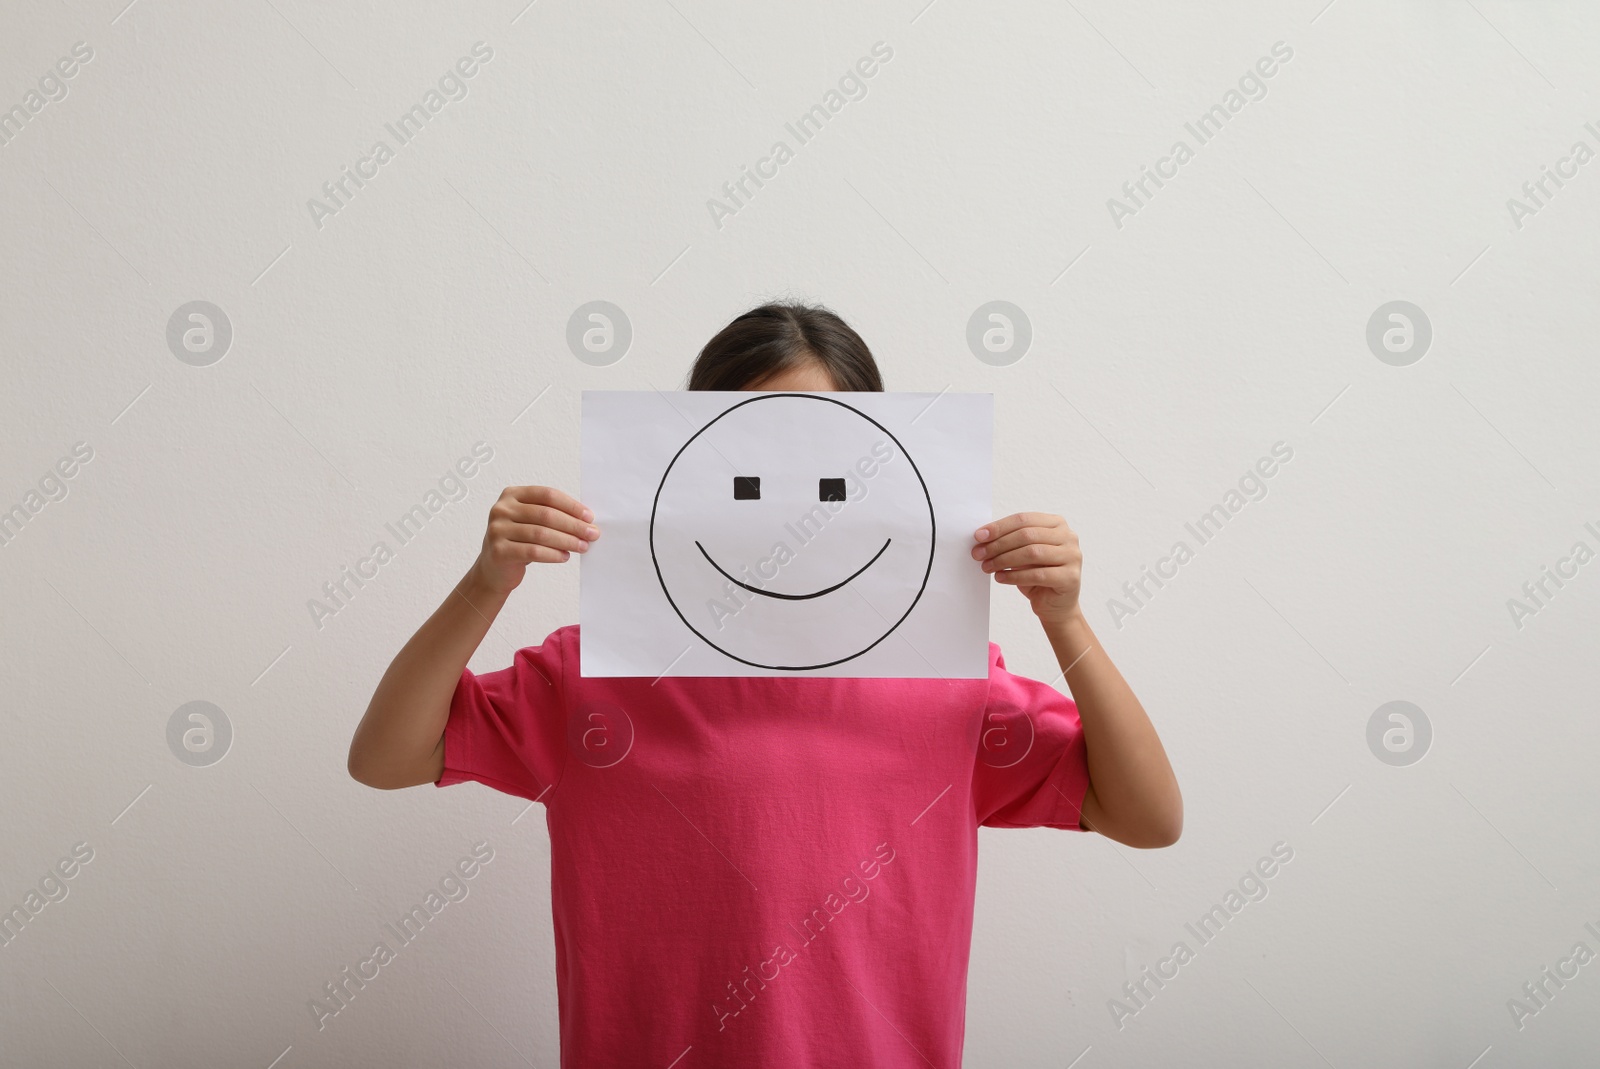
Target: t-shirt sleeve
point(1032, 766)
point(507, 729)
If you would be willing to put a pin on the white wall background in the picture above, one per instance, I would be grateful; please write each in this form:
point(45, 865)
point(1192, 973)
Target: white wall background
point(1167, 355)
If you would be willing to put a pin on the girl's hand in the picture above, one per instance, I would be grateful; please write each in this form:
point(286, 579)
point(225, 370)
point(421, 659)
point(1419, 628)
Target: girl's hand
point(1038, 554)
point(531, 524)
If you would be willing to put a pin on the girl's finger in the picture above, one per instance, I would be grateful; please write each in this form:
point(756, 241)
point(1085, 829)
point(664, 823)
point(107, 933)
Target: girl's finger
point(549, 495)
point(1017, 539)
point(990, 531)
point(551, 517)
point(1032, 555)
point(542, 554)
point(1056, 578)
point(535, 534)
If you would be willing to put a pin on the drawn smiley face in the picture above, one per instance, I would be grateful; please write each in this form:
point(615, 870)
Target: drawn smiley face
point(792, 532)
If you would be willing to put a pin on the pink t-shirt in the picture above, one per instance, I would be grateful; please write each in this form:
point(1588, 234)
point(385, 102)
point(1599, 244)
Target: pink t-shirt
point(765, 871)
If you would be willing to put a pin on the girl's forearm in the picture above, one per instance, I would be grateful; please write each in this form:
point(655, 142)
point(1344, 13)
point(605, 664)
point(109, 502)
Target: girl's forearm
point(1135, 793)
point(398, 741)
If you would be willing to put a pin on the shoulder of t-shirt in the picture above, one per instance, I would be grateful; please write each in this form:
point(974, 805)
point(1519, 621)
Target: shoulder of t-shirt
point(567, 638)
point(563, 641)
point(1006, 685)
point(998, 672)
point(558, 653)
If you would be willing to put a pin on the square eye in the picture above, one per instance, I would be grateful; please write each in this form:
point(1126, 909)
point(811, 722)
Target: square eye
point(747, 488)
point(830, 489)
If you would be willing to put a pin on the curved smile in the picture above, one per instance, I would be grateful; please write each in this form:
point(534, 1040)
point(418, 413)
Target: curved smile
point(793, 597)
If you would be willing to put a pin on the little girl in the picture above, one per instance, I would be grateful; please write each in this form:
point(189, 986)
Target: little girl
point(768, 871)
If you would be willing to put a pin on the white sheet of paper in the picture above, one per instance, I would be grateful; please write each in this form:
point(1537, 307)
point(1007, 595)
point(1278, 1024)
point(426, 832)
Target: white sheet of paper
point(688, 579)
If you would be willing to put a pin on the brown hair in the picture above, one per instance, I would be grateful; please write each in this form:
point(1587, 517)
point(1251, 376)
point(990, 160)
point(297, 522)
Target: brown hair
point(782, 335)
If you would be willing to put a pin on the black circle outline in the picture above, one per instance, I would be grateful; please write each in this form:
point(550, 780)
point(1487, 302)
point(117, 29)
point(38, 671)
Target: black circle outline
point(933, 532)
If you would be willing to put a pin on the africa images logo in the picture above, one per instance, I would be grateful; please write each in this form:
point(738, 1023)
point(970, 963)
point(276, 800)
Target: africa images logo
point(451, 86)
